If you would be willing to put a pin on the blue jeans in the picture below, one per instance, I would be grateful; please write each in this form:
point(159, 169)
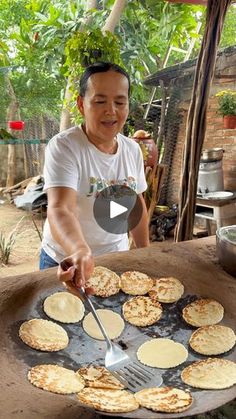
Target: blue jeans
point(45, 261)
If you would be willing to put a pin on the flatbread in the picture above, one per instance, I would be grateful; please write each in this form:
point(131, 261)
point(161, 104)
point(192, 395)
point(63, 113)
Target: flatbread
point(114, 401)
point(104, 282)
point(64, 307)
point(99, 377)
point(212, 340)
point(167, 290)
point(211, 373)
point(136, 283)
point(113, 323)
point(55, 379)
point(204, 312)
point(162, 353)
point(142, 311)
point(43, 335)
point(164, 399)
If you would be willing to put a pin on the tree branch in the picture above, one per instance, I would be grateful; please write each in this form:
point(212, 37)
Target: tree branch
point(114, 16)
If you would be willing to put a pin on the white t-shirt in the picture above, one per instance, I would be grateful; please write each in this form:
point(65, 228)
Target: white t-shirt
point(72, 161)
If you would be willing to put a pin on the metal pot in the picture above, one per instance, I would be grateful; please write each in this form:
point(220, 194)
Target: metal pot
point(212, 154)
point(226, 248)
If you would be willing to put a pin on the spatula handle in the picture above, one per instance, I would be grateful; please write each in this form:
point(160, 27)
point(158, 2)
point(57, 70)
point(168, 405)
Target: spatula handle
point(95, 315)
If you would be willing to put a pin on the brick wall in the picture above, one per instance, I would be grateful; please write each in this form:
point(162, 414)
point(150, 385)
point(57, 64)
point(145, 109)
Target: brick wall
point(216, 136)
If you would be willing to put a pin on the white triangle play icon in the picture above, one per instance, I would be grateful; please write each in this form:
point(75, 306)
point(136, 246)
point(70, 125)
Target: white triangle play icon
point(116, 209)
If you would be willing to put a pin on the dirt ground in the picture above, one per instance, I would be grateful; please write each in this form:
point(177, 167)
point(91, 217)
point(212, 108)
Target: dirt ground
point(25, 254)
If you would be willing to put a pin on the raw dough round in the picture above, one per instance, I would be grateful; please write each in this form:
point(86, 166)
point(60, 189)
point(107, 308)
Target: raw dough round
point(162, 353)
point(64, 307)
point(112, 322)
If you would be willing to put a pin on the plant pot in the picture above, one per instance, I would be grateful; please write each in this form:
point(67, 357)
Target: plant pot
point(148, 147)
point(149, 150)
point(230, 121)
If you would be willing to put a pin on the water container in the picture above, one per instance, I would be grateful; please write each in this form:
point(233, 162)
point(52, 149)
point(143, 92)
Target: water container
point(210, 177)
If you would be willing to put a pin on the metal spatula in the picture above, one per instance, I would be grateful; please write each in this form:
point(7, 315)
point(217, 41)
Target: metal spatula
point(130, 373)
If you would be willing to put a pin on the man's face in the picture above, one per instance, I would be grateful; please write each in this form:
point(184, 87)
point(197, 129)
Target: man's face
point(105, 105)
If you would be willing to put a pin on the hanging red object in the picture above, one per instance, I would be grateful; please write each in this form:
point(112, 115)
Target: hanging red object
point(17, 125)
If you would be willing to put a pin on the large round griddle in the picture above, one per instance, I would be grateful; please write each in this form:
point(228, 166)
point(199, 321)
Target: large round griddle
point(194, 263)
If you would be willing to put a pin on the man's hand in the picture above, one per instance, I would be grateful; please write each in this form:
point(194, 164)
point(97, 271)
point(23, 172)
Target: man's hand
point(75, 270)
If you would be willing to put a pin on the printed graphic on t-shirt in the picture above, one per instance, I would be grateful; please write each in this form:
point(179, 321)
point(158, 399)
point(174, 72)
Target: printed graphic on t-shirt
point(97, 185)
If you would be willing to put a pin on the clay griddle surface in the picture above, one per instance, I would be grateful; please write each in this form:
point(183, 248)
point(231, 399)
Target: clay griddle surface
point(22, 297)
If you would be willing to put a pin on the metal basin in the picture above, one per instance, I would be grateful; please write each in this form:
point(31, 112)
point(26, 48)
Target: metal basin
point(226, 248)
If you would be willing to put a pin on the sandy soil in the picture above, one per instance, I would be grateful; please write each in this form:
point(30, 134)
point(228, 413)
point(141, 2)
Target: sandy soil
point(25, 254)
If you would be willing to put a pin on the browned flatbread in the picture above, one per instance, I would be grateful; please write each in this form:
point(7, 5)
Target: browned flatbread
point(211, 373)
point(43, 335)
point(55, 379)
point(99, 377)
point(212, 340)
point(164, 399)
point(142, 311)
point(104, 282)
point(203, 312)
point(167, 290)
point(136, 283)
point(104, 400)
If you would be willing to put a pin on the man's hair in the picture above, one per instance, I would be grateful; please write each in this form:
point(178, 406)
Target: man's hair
point(100, 67)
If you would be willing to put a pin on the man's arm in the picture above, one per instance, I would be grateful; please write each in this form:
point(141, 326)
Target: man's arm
point(66, 230)
point(140, 233)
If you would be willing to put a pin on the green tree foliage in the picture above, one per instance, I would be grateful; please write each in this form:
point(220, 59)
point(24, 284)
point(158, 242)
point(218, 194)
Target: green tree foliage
point(36, 86)
point(148, 28)
point(34, 34)
point(228, 37)
point(87, 47)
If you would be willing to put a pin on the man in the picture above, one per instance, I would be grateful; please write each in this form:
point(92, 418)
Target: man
point(79, 163)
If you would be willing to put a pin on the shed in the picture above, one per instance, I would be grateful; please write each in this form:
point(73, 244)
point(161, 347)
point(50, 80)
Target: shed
point(179, 81)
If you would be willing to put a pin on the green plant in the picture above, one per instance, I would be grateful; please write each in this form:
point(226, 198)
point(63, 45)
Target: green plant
point(227, 102)
point(7, 243)
point(85, 48)
point(6, 246)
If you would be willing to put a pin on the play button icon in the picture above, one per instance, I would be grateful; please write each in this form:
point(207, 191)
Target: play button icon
point(117, 209)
